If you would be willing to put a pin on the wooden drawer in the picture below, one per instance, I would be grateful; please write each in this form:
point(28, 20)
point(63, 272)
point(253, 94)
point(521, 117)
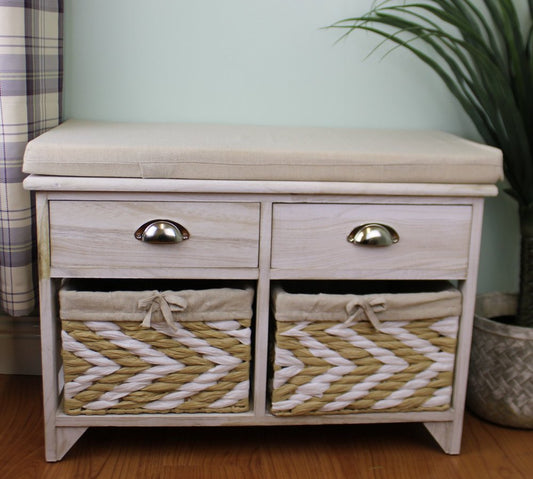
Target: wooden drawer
point(433, 240)
point(100, 234)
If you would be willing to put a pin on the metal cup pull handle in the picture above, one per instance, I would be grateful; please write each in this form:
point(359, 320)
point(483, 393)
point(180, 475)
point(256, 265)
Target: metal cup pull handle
point(373, 234)
point(161, 232)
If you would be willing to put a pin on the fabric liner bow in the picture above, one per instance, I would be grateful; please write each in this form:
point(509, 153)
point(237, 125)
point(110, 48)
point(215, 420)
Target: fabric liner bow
point(166, 302)
point(359, 309)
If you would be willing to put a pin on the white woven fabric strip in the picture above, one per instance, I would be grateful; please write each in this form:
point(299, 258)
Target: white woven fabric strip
point(238, 393)
point(103, 366)
point(392, 364)
point(321, 383)
point(233, 329)
point(290, 366)
point(447, 327)
point(440, 397)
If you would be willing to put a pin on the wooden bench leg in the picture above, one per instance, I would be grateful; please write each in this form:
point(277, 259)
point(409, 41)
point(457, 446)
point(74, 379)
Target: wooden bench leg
point(447, 434)
point(65, 438)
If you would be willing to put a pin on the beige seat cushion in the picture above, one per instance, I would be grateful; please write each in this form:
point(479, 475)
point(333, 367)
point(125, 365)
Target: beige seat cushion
point(198, 151)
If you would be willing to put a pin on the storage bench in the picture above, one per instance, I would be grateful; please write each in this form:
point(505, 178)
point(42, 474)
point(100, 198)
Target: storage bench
point(264, 205)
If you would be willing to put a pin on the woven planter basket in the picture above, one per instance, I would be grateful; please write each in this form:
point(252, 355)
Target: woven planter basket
point(500, 382)
point(153, 351)
point(353, 353)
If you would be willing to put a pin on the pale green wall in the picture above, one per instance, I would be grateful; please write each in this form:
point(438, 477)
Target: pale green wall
point(260, 62)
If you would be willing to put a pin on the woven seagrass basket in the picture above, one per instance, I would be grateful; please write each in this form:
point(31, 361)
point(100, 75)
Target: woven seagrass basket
point(131, 351)
point(500, 381)
point(341, 351)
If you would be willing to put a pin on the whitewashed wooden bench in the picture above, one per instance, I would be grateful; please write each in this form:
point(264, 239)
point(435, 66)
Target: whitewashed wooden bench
point(261, 204)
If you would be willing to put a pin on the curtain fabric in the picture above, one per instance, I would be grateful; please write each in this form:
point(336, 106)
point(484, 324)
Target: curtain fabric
point(30, 103)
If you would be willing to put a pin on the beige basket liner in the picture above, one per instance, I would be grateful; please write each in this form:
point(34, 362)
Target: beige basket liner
point(217, 304)
point(393, 306)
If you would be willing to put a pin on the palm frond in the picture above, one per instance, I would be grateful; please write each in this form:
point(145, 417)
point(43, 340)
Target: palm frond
point(483, 59)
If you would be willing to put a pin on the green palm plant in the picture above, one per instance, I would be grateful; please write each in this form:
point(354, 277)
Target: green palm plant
point(482, 51)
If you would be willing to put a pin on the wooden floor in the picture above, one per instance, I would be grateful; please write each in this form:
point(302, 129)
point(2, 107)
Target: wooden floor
point(370, 451)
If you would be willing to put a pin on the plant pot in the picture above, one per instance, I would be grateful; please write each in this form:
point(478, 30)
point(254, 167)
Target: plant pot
point(500, 383)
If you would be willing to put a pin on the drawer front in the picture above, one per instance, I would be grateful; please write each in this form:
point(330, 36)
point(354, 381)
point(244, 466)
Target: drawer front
point(433, 240)
point(94, 234)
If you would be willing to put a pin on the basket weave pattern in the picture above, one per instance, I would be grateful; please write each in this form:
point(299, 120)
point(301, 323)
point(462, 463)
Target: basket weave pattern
point(122, 368)
point(500, 385)
point(335, 368)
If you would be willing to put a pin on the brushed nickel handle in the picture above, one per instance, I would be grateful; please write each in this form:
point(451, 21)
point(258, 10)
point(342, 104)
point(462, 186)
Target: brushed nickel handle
point(161, 232)
point(373, 234)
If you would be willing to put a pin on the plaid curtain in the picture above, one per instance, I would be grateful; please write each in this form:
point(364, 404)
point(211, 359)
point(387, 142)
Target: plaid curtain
point(30, 103)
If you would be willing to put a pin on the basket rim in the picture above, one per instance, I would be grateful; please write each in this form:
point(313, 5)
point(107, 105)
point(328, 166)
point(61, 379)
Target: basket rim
point(212, 304)
point(500, 329)
point(288, 306)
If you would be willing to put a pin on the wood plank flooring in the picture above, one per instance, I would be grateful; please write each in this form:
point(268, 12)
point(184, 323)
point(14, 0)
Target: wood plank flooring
point(327, 452)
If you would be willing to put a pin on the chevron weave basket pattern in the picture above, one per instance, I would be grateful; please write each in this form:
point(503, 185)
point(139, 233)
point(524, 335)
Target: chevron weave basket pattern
point(361, 364)
point(165, 366)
